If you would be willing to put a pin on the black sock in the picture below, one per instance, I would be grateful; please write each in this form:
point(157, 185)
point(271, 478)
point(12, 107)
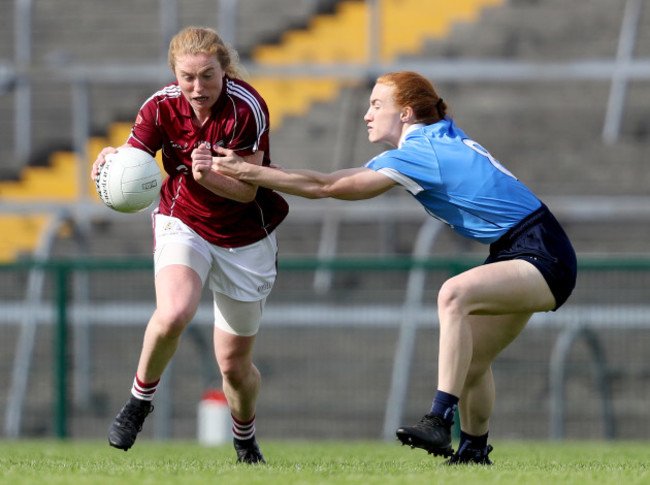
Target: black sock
point(474, 443)
point(444, 406)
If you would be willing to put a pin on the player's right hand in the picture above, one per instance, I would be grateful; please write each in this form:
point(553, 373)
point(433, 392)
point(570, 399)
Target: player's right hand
point(101, 160)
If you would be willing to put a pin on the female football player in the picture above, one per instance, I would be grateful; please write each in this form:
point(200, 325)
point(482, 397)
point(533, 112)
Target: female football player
point(531, 265)
point(209, 229)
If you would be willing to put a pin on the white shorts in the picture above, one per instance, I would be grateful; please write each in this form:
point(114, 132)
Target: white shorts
point(240, 278)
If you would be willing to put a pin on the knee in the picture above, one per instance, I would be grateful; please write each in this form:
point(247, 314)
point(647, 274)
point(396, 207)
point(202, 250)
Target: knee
point(450, 298)
point(171, 321)
point(234, 370)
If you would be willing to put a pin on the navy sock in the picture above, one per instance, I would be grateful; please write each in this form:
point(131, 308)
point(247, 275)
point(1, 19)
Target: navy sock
point(473, 442)
point(444, 406)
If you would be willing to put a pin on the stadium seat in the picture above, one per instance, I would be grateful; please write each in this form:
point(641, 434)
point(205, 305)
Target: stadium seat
point(20, 234)
point(340, 38)
point(55, 182)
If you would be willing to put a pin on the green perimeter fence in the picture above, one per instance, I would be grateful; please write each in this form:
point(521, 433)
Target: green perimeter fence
point(72, 330)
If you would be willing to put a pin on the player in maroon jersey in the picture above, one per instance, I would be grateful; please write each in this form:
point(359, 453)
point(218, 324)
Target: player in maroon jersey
point(208, 228)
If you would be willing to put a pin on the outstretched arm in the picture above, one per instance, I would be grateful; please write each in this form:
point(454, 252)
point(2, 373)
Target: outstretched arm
point(348, 184)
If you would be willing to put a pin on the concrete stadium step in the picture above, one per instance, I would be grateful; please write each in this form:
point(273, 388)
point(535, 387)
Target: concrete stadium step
point(293, 97)
point(57, 181)
point(328, 39)
point(74, 30)
point(265, 22)
point(534, 30)
point(433, 19)
point(341, 37)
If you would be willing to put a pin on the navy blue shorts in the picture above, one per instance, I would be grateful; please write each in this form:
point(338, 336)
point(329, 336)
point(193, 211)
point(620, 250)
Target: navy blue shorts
point(540, 240)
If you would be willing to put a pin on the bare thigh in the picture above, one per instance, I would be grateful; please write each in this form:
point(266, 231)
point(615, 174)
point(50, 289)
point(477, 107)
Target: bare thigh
point(503, 288)
point(178, 294)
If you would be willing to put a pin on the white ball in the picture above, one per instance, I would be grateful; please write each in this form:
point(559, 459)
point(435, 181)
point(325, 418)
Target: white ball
point(129, 181)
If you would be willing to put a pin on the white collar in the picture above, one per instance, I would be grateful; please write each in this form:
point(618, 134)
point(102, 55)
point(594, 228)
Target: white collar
point(415, 126)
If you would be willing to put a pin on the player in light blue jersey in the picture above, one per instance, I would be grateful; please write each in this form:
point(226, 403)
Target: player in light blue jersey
point(531, 265)
point(457, 181)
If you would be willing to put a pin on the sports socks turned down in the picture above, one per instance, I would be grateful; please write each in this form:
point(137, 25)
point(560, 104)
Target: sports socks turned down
point(243, 430)
point(144, 391)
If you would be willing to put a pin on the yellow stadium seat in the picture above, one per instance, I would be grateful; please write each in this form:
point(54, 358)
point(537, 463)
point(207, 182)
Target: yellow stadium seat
point(341, 38)
point(20, 234)
point(57, 181)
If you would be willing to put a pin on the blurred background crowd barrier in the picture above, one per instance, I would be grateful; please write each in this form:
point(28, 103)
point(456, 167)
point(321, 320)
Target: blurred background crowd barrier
point(336, 365)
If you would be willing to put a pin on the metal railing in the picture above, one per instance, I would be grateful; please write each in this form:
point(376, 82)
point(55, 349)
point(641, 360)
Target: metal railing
point(574, 322)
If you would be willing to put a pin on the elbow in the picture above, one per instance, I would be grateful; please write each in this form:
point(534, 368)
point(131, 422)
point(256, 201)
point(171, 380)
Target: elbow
point(314, 195)
point(320, 192)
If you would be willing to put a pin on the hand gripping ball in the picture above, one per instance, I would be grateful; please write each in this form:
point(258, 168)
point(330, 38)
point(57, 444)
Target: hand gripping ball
point(129, 181)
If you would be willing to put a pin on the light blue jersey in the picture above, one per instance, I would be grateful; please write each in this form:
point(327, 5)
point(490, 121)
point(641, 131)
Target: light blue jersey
point(457, 181)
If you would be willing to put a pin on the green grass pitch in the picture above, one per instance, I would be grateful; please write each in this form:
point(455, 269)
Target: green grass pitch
point(311, 463)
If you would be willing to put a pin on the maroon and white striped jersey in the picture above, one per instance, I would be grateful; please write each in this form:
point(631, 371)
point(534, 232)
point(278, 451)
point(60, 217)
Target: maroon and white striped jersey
point(240, 122)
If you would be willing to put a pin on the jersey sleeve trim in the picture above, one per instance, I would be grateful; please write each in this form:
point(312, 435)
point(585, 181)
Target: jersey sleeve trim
point(408, 183)
point(132, 138)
